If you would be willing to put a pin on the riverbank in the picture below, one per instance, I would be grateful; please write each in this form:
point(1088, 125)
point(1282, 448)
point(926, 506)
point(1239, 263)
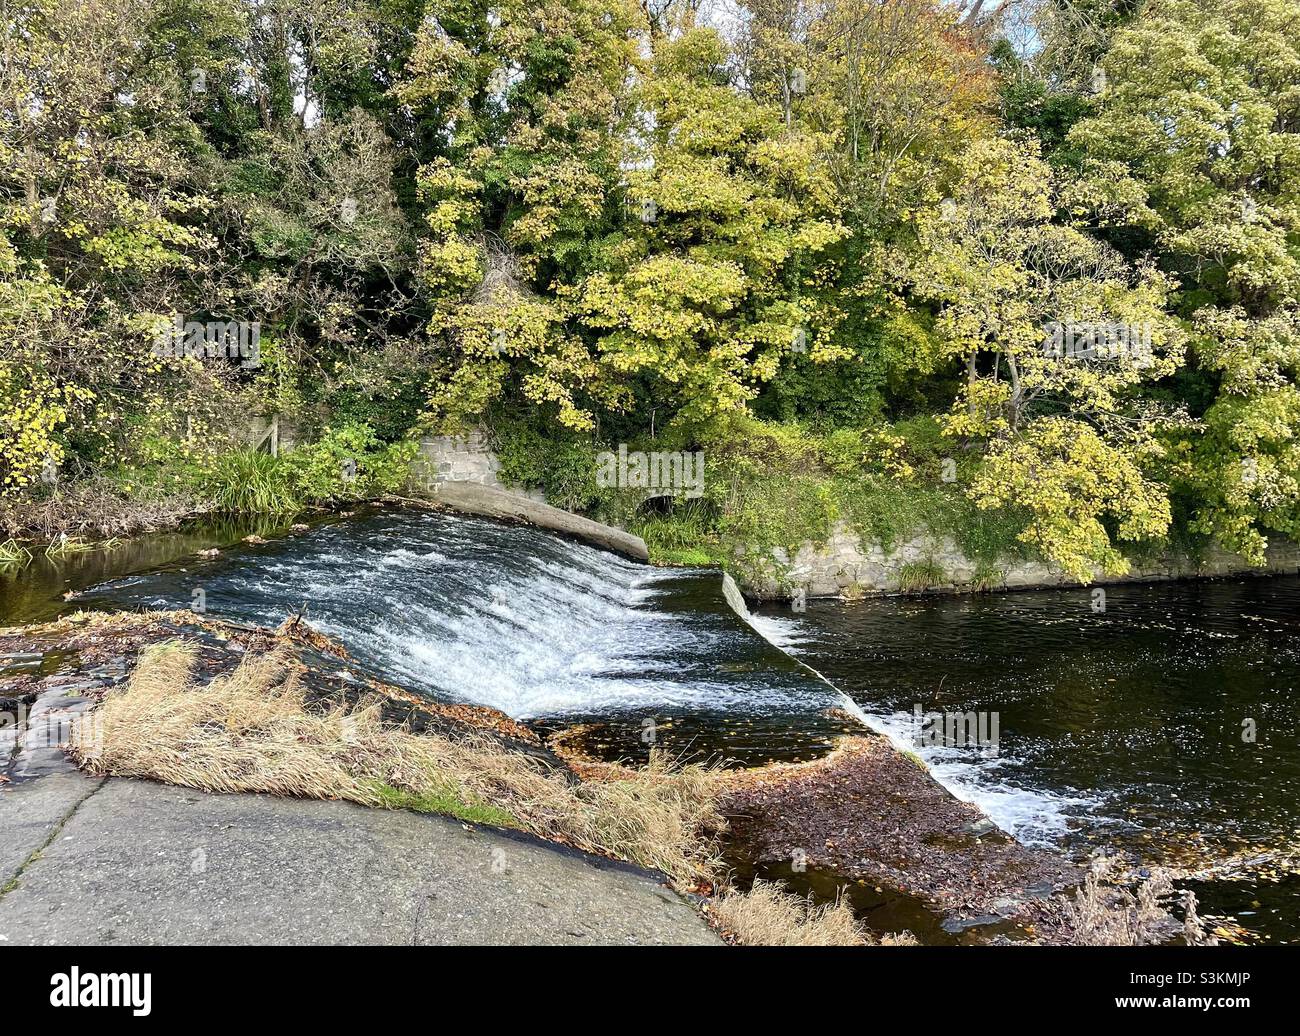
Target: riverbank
point(848, 567)
point(925, 843)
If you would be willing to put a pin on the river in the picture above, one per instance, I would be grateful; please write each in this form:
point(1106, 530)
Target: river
point(1163, 727)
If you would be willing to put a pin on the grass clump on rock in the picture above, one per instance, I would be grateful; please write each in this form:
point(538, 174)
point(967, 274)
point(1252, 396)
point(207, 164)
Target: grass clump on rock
point(253, 730)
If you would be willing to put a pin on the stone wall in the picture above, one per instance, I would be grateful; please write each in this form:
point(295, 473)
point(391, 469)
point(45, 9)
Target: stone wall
point(462, 458)
point(846, 567)
point(270, 432)
point(456, 458)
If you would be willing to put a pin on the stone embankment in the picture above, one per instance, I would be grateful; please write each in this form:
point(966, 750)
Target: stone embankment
point(845, 566)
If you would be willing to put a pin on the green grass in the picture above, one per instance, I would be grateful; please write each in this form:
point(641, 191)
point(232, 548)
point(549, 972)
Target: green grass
point(251, 482)
point(987, 576)
point(917, 576)
point(447, 803)
point(682, 538)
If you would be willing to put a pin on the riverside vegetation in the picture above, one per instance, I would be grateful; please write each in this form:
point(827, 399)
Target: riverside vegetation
point(824, 244)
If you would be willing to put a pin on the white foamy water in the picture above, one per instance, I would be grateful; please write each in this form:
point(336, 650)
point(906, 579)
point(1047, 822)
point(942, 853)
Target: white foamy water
point(783, 633)
point(506, 616)
point(1033, 817)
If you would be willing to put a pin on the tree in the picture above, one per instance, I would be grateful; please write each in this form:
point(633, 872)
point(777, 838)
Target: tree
point(1070, 440)
point(101, 218)
point(1196, 145)
point(715, 284)
point(527, 190)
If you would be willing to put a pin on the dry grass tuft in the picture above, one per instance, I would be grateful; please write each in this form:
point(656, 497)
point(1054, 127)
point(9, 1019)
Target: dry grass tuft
point(251, 730)
point(768, 916)
point(1106, 914)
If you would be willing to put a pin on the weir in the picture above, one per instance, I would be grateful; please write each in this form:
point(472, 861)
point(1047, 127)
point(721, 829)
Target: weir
point(545, 629)
point(625, 658)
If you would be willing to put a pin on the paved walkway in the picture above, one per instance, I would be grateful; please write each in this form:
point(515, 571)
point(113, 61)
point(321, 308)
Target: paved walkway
point(117, 861)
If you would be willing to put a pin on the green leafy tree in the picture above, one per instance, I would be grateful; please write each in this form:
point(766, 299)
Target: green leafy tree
point(1070, 438)
point(717, 283)
point(1196, 146)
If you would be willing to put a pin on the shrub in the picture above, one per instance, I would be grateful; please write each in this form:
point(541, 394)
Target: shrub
point(916, 576)
point(560, 462)
point(348, 462)
point(247, 481)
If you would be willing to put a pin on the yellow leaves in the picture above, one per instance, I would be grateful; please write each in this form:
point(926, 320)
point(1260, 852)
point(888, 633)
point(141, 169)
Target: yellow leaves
point(1190, 136)
point(1072, 482)
point(981, 412)
point(814, 235)
point(886, 453)
point(32, 408)
point(451, 266)
point(1107, 192)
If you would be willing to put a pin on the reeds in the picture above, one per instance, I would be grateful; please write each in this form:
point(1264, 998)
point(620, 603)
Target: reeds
point(248, 481)
point(14, 553)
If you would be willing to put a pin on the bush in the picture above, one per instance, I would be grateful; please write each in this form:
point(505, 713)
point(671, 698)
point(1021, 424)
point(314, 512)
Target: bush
point(348, 463)
point(559, 462)
point(248, 481)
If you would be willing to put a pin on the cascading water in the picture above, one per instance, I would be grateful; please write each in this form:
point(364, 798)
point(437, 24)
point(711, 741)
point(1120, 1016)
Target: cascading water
point(544, 629)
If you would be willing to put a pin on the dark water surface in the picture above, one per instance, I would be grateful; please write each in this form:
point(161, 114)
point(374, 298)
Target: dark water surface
point(1128, 728)
point(1120, 729)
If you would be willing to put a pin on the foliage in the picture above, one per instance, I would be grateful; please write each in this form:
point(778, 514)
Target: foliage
point(1211, 176)
point(821, 244)
point(344, 463)
point(1074, 485)
point(347, 462)
point(773, 485)
point(534, 456)
point(251, 481)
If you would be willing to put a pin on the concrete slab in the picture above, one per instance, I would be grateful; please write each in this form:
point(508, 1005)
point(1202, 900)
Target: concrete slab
point(31, 811)
point(143, 863)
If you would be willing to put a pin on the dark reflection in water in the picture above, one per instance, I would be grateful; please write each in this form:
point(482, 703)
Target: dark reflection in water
point(1121, 728)
point(34, 592)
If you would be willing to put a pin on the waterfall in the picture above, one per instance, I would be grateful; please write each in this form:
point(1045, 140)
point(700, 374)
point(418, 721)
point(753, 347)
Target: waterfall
point(464, 609)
